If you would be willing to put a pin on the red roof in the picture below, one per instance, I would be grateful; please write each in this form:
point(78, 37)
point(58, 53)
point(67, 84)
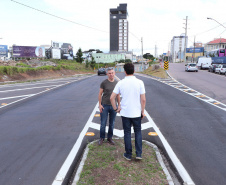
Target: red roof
point(216, 41)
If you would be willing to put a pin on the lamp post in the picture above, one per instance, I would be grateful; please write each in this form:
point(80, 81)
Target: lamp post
point(216, 21)
point(98, 61)
point(219, 24)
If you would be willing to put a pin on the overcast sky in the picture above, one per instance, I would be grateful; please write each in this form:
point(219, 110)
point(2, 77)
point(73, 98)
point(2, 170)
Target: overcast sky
point(157, 21)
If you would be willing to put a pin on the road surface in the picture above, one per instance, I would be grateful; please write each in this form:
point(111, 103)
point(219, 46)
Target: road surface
point(37, 135)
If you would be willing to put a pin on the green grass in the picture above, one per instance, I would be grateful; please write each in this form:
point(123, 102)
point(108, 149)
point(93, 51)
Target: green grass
point(106, 165)
point(61, 64)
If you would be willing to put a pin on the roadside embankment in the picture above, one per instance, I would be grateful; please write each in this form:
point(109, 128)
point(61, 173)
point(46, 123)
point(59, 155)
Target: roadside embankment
point(35, 70)
point(156, 71)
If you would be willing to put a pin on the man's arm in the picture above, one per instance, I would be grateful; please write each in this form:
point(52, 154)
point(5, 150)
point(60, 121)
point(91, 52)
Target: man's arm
point(112, 99)
point(99, 99)
point(119, 102)
point(143, 103)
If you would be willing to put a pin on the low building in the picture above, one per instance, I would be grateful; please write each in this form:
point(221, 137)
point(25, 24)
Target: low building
point(108, 57)
point(193, 53)
point(218, 43)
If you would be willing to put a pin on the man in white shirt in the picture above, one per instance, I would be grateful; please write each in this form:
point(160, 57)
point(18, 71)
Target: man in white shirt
point(132, 109)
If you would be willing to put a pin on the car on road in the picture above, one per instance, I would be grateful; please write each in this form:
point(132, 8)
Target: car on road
point(101, 71)
point(191, 67)
point(213, 67)
point(221, 69)
point(204, 62)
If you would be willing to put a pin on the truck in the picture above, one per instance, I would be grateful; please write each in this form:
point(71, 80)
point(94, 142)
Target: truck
point(204, 62)
point(218, 60)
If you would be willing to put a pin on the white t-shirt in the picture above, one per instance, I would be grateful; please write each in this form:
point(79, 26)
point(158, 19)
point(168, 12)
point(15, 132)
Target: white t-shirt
point(130, 89)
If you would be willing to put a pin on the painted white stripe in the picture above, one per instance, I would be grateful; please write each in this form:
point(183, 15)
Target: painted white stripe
point(67, 163)
point(28, 88)
point(12, 97)
point(180, 168)
point(191, 94)
point(33, 95)
point(45, 81)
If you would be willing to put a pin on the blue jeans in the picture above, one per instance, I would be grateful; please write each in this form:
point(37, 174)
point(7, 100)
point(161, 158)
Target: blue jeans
point(127, 123)
point(108, 109)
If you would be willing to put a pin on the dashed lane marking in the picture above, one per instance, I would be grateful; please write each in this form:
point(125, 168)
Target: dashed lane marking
point(28, 88)
point(189, 91)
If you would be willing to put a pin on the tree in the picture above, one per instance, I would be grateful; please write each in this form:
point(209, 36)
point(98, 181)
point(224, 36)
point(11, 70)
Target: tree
point(79, 54)
point(148, 56)
point(128, 60)
point(92, 63)
point(98, 51)
point(87, 63)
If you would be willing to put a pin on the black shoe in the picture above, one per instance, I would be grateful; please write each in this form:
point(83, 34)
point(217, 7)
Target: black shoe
point(127, 158)
point(139, 157)
point(110, 141)
point(100, 142)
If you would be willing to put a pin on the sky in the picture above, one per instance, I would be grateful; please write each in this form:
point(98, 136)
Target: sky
point(155, 21)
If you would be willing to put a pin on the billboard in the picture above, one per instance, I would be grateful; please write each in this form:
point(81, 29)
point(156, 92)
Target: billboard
point(56, 53)
point(197, 50)
point(66, 49)
point(28, 51)
point(3, 51)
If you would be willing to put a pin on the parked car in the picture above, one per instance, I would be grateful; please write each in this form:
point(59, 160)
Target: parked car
point(191, 67)
point(101, 71)
point(213, 67)
point(221, 69)
point(204, 62)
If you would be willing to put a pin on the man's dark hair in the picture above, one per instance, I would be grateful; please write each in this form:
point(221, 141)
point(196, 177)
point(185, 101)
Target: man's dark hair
point(129, 68)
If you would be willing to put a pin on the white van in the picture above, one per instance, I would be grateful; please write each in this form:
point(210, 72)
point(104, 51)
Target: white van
point(204, 63)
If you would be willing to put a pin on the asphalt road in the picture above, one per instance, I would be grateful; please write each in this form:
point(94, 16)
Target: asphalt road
point(210, 84)
point(37, 135)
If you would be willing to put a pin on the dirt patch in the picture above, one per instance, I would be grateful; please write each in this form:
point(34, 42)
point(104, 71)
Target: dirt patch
point(38, 75)
point(156, 71)
point(105, 165)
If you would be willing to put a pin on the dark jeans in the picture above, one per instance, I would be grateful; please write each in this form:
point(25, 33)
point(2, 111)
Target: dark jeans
point(108, 109)
point(127, 123)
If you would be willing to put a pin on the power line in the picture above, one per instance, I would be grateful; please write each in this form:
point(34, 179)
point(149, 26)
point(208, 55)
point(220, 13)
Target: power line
point(209, 30)
point(58, 17)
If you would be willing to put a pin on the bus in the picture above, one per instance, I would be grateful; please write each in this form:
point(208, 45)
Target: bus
point(216, 53)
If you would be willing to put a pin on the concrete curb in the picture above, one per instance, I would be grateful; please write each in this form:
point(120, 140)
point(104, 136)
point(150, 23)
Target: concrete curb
point(160, 160)
point(159, 157)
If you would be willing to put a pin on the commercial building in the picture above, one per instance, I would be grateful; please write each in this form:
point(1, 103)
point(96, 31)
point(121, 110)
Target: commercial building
point(218, 43)
point(119, 28)
point(177, 48)
point(108, 57)
point(193, 53)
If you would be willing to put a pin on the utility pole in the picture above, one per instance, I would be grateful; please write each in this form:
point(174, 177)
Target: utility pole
point(155, 51)
point(142, 53)
point(185, 42)
point(194, 51)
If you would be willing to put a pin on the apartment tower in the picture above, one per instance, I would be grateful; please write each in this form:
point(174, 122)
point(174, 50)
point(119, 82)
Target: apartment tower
point(119, 29)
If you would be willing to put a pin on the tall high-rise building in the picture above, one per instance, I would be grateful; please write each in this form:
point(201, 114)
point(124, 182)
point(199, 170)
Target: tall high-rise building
point(119, 28)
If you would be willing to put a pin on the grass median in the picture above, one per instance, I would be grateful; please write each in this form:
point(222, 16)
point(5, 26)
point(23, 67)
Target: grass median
point(105, 165)
point(156, 71)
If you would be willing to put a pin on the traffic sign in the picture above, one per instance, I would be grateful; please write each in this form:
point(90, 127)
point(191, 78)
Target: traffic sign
point(166, 65)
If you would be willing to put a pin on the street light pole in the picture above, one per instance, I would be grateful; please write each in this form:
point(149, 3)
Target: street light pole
point(216, 21)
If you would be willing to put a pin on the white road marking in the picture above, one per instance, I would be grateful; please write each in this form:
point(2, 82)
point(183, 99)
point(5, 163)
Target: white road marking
point(12, 97)
point(195, 93)
point(67, 163)
point(30, 95)
point(180, 168)
point(28, 88)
